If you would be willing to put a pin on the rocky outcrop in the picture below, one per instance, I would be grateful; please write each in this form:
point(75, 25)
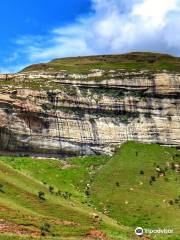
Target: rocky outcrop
point(78, 114)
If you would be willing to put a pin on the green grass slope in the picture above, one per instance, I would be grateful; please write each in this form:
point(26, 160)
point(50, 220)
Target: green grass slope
point(124, 191)
point(57, 214)
point(130, 61)
point(129, 189)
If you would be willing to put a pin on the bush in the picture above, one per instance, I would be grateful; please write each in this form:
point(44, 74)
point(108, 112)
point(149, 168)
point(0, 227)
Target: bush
point(117, 184)
point(124, 119)
point(87, 193)
point(51, 96)
point(92, 120)
point(153, 178)
point(147, 115)
point(142, 172)
point(176, 200)
point(44, 228)
point(51, 189)
point(41, 195)
point(65, 195)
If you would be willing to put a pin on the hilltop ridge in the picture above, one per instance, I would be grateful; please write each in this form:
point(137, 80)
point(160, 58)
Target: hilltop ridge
point(129, 61)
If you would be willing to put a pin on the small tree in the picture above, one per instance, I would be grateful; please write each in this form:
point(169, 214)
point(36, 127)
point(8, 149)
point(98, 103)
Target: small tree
point(142, 172)
point(41, 195)
point(51, 189)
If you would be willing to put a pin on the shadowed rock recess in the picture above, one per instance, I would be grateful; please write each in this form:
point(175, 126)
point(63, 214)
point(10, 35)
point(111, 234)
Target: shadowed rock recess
point(66, 113)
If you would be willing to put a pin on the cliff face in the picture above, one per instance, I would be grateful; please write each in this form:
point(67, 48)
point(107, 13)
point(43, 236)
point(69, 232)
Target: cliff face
point(77, 114)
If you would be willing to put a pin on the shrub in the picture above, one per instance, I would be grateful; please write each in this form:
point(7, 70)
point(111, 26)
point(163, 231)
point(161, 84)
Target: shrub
point(44, 228)
point(41, 195)
point(153, 178)
point(138, 94)
point(124, 119)
point(87, 193)
point(51, 189)
point(65, 195)
point(147, 115)
point(58, 193)
point(176, 200)
point(117, 184)
point(142, 172)
point(92, 120)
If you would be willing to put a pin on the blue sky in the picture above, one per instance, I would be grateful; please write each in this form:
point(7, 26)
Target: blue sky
point(40, 30)
point(21, 18)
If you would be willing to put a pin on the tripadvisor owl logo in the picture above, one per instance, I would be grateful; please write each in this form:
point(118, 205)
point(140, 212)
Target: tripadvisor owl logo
point(139, 231)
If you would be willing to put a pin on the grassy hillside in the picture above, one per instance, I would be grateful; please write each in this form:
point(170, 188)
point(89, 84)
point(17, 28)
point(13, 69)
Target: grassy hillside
point(130, 61)
point(91, 197)
point(35, 200)
point(129, 189)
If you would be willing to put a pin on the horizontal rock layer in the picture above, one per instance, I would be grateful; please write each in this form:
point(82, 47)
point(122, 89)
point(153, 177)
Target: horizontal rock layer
point(78, 114)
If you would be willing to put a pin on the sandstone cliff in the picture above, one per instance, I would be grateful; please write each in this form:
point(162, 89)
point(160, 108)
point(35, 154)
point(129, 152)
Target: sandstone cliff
point(87, 113)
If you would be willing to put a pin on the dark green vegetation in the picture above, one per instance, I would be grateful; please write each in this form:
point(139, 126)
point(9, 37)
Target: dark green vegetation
point(138, 186)
point(130, 61)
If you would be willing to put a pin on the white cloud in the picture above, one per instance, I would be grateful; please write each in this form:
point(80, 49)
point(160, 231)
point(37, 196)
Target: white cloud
point(113, 26)
point(154, 11)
